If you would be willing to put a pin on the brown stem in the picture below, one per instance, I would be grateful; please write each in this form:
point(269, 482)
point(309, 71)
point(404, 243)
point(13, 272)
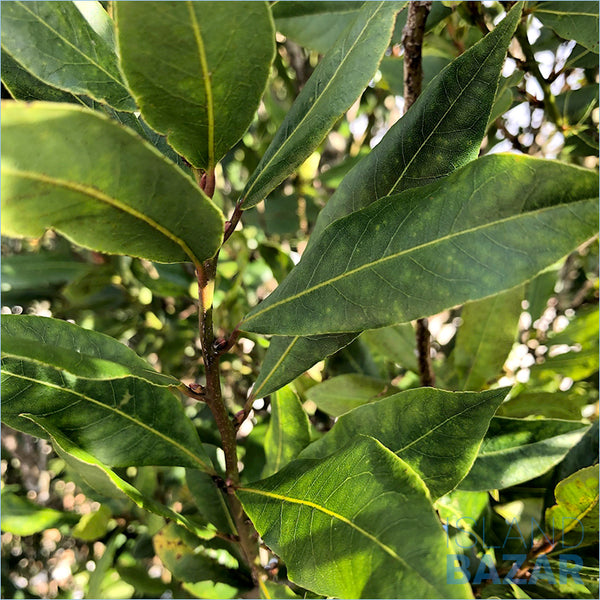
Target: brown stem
point(233, 221)
point(412, 40)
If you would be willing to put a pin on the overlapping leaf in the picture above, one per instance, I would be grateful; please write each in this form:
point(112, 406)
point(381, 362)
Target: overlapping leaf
point(363, 525)
point(335, 84)
point(437, 433)
point(481, 230)
point(517, 450)
point(196, 69)
point(56, 44)
point(83, 353)
point(101, 186)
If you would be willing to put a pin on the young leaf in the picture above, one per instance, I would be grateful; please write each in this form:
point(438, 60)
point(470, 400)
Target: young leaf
point(83, 353)
point(437, 433)
point(479, 231)
point(102, 479)
point(288, 433)
point(335, 84)
point(485, 338)
point(101, 186)
point(56, 44)
point(517, 450)
point(189, 84)
point(145, 424)
point(357, 524)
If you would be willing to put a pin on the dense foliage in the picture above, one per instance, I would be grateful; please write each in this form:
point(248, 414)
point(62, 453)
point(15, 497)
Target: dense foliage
point(182, 179)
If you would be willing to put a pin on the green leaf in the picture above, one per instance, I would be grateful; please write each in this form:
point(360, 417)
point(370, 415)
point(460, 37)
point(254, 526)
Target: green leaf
point(83, 353)
point(336, 83)
point(316, 25)
point(93, 525)
point(485, 338)
point(571, 20)
point(576, 509)
point(437, 433)
point(340, 394)
point(56, 44)
point(395, 343)
point(288, 433)
point(357, 524)
point(101, 186)
point(146, 425)
point(190, 85)
point(518, 450)
point(269, 590)
point(23, 517)
point(100, 478)
point(552, 405)
point(575, 105)
point(475, 233)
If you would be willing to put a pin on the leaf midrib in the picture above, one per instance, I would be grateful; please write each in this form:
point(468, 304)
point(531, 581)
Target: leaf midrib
point(317, 102)
point(277, 365)
point(106, 199)
point(410, 250)
point(118, 412)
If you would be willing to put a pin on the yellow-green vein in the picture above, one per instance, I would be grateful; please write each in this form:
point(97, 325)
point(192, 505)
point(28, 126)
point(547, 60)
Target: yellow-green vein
point(277, 365)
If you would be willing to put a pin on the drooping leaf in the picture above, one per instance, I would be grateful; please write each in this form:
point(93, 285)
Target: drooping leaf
point(517, 450)
point(101, 478)
point(437, 433)
point(101, 186)
point(56, 44)
point(21, 516)
point(341, 525)
point(121, 422)
point(457, 101)
point(197, 70)
point(341, 394)
point(571, 20)
point(336, 83)
point(83, 353)
point(479, 231)
point(576, 509)
point(288, 433)
point(485, 338)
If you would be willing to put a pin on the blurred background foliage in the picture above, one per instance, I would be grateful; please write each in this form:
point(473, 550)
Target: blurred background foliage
point(60, 540)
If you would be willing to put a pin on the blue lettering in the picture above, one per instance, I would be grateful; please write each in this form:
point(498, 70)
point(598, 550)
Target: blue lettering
point(565, 569)
point(542, 570)
point(519, 560)
point(453, 569)
point(486, 571)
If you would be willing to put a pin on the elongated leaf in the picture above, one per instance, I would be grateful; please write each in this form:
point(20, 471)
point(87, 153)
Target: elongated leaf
point(336, 83)
point(100, 186)
point(56, 44)
point(102, 479)
point(121, 422)
point(288, 433)
point(83, 353)
point(395, 343)
point(358, 524)
point(197, 70)
point(481, 230)
point(552, 405)
point(459, 101)
point(485, 338)
point(571, 20)
point(437, 433)
point(341, 394)
point(517, 450)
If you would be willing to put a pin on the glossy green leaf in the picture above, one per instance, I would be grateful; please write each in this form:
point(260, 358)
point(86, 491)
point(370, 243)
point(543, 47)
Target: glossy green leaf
point(340, 394)
point(83, 353)
point(440, 132)
point(146, 425)
point(551, 405)
point(288, 433)
point(20, 516)
point(101, 478)
point(336, 83)
point(190, 85)
point(56, 44)
point(485, 338)
point(354, 358)
point(517, 450)
point(437, 433)
point(316, 25)
point(576, 509)
point(97, 17)
point(571, 20)
point(479, 231)
point(101, 186)
point(363, 525)
point(395, 343)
